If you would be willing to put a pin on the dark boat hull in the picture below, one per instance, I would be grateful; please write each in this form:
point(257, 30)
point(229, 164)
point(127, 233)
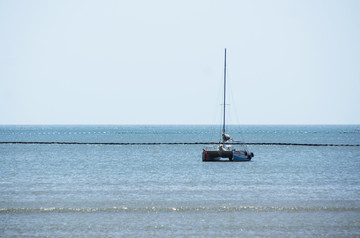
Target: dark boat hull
point(222, 155)
point(215, 155)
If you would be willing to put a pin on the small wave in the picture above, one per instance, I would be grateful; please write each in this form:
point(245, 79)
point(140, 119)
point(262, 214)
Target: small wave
point(174, 209)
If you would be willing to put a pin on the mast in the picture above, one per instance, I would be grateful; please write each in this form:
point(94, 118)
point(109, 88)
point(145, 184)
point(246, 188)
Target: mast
point(223, 130)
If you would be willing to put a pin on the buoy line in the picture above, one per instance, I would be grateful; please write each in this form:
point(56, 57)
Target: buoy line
point(168, 143)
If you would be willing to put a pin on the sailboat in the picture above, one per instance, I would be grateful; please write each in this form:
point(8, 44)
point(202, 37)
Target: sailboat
point(225, 148)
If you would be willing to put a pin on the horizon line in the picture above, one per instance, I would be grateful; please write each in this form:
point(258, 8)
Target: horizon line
point(177, 124)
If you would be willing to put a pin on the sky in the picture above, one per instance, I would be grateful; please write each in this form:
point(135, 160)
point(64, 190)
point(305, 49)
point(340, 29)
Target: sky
point(161, 61)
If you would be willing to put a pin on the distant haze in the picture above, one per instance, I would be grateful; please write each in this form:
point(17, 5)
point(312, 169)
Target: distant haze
point(161, 62)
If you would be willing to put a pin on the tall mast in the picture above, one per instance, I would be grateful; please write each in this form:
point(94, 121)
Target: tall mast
point(223, 130)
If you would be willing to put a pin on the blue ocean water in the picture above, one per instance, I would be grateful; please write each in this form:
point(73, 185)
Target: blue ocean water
point(62, 190)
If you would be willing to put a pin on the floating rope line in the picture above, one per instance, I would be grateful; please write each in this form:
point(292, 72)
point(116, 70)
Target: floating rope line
point(169, 143)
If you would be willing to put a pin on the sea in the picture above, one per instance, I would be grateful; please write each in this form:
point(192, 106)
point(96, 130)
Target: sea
point(108, 181)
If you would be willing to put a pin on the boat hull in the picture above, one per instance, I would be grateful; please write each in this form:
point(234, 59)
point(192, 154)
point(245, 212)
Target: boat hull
point(220, 155)
point(241, 156)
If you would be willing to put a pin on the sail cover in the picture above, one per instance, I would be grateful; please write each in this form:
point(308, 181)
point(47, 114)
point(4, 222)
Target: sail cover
point(226, 137)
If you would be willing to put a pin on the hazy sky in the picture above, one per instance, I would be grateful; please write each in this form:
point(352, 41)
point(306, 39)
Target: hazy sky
point(161, 61)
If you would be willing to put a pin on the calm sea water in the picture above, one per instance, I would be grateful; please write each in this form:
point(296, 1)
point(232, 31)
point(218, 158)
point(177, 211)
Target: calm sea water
point(165, 190)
